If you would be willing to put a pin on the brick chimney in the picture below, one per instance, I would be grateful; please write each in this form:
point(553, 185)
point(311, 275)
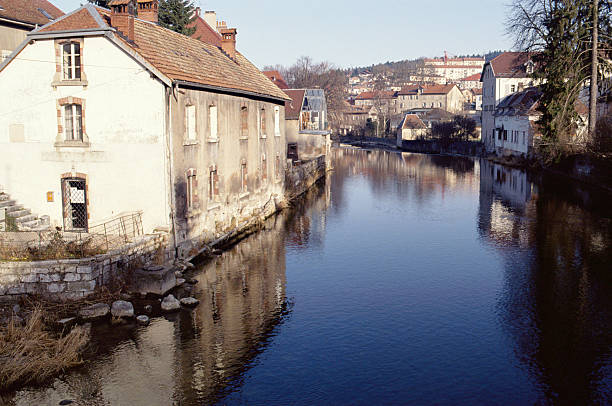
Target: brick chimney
point(147, 10)
point(228, 41)
point(122, 17)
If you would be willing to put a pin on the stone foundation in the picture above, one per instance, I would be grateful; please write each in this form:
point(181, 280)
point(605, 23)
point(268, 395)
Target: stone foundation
point(71, 279)
point(301, 176)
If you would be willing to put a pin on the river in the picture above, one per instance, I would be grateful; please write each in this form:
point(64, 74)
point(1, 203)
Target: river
point(401, 279)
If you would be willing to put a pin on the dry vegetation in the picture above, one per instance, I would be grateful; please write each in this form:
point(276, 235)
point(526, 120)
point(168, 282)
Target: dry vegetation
point(32, 354)
point(48, 246)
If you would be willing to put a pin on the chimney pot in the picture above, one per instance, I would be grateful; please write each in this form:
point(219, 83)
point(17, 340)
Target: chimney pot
point(210, 17)
point(122, 17)
point(148, 10)
point(228, 41)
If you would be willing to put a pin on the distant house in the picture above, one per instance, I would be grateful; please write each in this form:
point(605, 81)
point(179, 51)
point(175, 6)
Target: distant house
point(131, 116)
point(411, 128)
point(445, 97)
point(477, 97)
point(507, 73)
point(306, 123)
point(386, 99)
point(450, 70)
point(515, 122)
point(353, 120)
point(471, 82)
point(18, 17)
point(276, 78)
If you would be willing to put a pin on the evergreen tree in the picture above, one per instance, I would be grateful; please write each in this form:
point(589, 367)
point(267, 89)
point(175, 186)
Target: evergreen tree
point(176, 15)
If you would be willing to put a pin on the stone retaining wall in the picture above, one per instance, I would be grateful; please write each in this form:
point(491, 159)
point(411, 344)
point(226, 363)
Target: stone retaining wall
point(71, 279)
point(468, 148)
point(301, 176)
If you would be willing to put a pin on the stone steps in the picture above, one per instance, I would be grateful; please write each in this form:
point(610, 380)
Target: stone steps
point(25, 220)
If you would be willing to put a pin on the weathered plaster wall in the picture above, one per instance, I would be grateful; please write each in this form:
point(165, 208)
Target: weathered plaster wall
point(301, 177)
point(10, 38)
point(213, 214)
point(123, 119)
point(76, 278)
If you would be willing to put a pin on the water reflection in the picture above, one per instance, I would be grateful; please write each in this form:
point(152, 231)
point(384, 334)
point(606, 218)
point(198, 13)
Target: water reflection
point(556, 305)
point(404, 278)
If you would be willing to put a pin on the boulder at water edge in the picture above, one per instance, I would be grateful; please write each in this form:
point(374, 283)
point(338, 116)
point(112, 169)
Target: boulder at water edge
point(94, 311)
point(123, 309)
point(170, 304)
point(143, 320)
point(189, 301)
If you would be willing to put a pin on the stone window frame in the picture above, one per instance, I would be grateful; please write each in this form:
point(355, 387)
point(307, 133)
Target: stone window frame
point(262, 123)
point(244, 122)
point(213, 184)
point(60, 139)
point(264, 169)
point(187, 140)
point(191, 190)
point(277, 130)
point(277, 168)
point(244, 177)
point(58, 77)
point(213, 137)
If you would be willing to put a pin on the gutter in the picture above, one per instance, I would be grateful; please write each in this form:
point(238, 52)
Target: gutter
point(15, 22)
point(88, 32)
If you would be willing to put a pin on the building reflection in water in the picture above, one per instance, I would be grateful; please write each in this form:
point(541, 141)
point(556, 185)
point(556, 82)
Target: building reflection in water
point(556, 303)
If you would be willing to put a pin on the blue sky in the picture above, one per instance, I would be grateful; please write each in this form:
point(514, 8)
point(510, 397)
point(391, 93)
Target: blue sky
point(357, 32)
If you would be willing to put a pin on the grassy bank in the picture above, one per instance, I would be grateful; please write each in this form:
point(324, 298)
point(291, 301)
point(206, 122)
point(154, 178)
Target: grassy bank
point(32, 353)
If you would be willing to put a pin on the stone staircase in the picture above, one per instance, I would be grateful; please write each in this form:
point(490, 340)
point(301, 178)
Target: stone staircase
point(24, 219)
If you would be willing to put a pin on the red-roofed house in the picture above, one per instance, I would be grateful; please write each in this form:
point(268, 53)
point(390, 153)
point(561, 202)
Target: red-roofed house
point(471, 82)
point(132, 116)
point(307, 130)
point(276, 78)
point(505, 74)
point(450, 70)
point(18, 17)
point(411, 128)
point(446, 97)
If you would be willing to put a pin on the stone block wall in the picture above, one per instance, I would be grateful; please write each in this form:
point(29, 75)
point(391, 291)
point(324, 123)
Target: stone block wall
point(301, 176)
point(71, 279)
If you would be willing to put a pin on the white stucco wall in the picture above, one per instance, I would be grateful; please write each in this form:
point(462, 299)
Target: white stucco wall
point(125, 163)
point(520, 124)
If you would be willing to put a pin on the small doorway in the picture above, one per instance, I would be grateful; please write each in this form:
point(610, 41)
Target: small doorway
point(74, 196)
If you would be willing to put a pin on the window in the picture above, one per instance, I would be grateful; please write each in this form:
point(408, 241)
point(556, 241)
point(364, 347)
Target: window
point(277, 121)
point(212, 120)
point(192, 189)
point(213, 184)
point(243, 177)
point(499, 134)
point(71, 61)
point(190, 122)
point(73, 122)
point(277, 166)
point(512, 88)
point(264, 168)
point(505, 135)
point(244, 122)
point(523, 137)
point(262, 123)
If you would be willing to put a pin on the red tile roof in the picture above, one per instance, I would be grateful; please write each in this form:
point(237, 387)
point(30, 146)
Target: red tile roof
point(205, 32)
point(28, 11)
point(293, 107)
point(276, 78)
point(438, 89)
point(177, 56)
point(413, 122)
point(473, 78)
point(510, 64)
point(477, 91)
point(386, 94)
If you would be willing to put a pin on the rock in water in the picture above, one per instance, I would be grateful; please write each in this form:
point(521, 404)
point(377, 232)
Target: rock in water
point(170, 304)
point(190, 302)
point(94, 311)
point(148, 308)
point(143, 320)
point(122, 308)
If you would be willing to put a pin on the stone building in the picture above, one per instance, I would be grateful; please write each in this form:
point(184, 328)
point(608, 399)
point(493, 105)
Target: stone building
point(450, 70)
point(132, 116)
point(411, 128)
point(515, 122)
point(445, 97)
point(18, 17)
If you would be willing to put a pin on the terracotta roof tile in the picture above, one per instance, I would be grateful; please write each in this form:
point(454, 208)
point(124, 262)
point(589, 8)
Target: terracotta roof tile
point(510, 64)
point(387, 94)
point(413, 122)
point(438, 89)
point(473, 78)
point(29, 11)
point(180, 57)
point(276, 78)
point(294, 106)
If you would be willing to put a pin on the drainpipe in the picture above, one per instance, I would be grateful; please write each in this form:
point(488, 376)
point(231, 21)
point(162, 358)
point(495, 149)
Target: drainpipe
point(169, 144)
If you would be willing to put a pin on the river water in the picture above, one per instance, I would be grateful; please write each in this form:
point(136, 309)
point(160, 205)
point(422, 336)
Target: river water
point(402, 279)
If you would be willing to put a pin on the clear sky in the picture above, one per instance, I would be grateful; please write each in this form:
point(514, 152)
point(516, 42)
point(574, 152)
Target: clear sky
point(357, 32)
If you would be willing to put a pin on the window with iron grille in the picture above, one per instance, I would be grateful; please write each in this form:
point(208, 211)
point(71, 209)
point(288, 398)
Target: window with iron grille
point(71, 61)
point(190, 122)
point(212, 120)
point(277, 166)
point(264, 168)
point(73, 122)
point(277, 121)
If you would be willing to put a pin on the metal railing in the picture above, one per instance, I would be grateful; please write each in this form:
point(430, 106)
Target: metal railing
point(99, 238)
